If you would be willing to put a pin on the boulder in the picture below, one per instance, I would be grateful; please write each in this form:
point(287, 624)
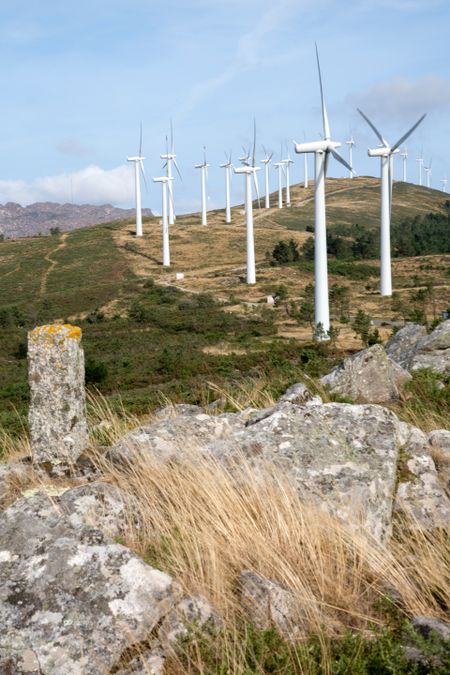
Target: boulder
point(420, 493)
point(269, 604)
point(72, 601)
point(427, 625)
point(299, 394)
point(401, 346)
point(369, 375)
point(190, 614)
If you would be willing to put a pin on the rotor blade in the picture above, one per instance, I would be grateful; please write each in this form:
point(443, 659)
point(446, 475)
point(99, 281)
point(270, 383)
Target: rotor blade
point(340, 159)
point(141, 165)
point(254, 142)
point(408, 133)
point(255, 180)
point(270, 156)
point(167, 145)
point(373, 127)
point(178, 170)
point(140, 141)
point(204, 155)
point(326, 125)
point(171, 138)
point(326, 163)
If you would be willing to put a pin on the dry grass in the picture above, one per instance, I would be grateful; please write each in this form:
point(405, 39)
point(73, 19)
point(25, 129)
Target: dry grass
point(205, 523)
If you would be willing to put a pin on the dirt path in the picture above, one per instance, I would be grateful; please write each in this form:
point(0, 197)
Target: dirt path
point(53, 263)
point(7, 274)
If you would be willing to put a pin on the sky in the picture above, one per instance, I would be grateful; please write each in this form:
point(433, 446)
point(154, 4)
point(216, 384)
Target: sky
point(78, 77)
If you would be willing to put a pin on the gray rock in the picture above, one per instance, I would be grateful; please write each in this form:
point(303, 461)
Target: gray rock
point(433, 350)
point(10, 474)
point(420, 493)
point(299, 394)
point(71, 600)
point(176, 436)
point(57, 416)
point(342, 457)
point(401, 346)
point(369, 375)
point(426, 625)
point(439, 439)
point(190, 614)
point(269, 604)
point(146, 663)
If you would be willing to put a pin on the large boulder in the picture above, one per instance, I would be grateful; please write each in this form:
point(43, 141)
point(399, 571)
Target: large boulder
point(413, 349)
point(72, 601)
point(401, 346)
point(369, 375)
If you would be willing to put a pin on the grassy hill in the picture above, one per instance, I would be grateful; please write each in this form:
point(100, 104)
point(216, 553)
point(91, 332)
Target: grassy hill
point(147, 335)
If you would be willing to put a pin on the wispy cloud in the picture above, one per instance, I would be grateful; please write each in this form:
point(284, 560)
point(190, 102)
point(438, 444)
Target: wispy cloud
point(400, 99)
point(73, 148)
point(92, 185)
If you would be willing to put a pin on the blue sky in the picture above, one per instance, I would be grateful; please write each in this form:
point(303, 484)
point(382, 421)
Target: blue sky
point(77, 78)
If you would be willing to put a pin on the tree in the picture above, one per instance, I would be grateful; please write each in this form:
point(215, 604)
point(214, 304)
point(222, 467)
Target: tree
point(340, 299)
point(285, 252)
point(361, 326)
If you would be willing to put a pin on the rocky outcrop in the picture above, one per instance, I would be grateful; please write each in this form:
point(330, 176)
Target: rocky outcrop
point(413, 349)
point(71, 599)
point(369, 375)
point(57, 415)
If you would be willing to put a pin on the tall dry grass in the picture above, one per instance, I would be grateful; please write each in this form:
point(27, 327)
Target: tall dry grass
point(205, 523)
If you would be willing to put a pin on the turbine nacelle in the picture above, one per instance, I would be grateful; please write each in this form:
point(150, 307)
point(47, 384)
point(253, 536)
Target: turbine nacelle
point(316, 146)
point(168, 156)
point(162, 179)
point(382, 151)
point(135, 159)
point(201, 166)
point(247, 169)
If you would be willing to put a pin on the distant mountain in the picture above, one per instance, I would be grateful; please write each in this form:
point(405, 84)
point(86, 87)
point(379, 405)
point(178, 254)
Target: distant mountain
point(40, 218)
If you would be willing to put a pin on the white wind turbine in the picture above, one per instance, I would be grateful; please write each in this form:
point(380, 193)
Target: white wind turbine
point(204, 177)
point(165, 182)
point(170, 158)
point(444, 182)
point(266, 161)
point(305, 167)
point(385, 152)
point(286, 163)
point(280, 168)
point(427, 170)
point(404, 155)
point(350, 144)
point(227, 166)
point(250, 173)
point(420, 162)
point(322, 150)
point(138, 161)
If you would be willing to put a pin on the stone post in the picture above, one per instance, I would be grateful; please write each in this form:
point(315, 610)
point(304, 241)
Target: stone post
point(57, 416)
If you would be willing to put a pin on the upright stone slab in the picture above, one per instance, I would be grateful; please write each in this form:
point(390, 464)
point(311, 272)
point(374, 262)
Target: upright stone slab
point(57, 416)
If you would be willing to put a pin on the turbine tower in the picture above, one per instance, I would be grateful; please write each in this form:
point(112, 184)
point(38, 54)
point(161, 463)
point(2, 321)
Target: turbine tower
point(322, 150)
point(266, 161)
point(385, 152)
point(170, 158)
point(138, 161)
point(350, 144)
point(204, 177)
point(280, 167)
point(165, 181)
point(286, 163)
point(404, 154)
point(250, 173)
point(427, 170)
point(420, 162)
point(227, 166)
point(444, 182)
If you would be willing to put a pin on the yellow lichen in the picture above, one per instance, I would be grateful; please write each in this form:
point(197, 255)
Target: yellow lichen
point(56, 331)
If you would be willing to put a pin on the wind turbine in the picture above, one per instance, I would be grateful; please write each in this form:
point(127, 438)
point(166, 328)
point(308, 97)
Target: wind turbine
point(138, 161)
point(385, 152)
point(165, 182)
point(427, 170)
point(305, 167)
point(404, 154)
point(170, 158)
point(227, 166)
point(444, 182)
point(350, 144)
point(420, 161)
point(266, 162)
point(250, 172)
point(280, 167)
point(286, 163)
point(322, 150)
point(204, 174)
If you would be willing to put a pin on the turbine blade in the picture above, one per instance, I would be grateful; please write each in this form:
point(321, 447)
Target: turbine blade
point(171, 138)
point(178, 170)
point(255, 180)
point(326, 125)
point(141, 165)
point(140, 141)
point(340, 159)
point(408, 133)
point(254, 143)
point(373, 127)
point(326, 163)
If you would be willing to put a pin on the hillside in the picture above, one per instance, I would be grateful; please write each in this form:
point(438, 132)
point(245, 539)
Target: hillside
point(147, 335)
point(42, 217)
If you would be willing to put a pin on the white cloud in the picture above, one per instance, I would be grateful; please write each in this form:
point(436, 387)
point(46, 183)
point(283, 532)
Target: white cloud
point(92, 185)
point(402, 99)
point(73, 148)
